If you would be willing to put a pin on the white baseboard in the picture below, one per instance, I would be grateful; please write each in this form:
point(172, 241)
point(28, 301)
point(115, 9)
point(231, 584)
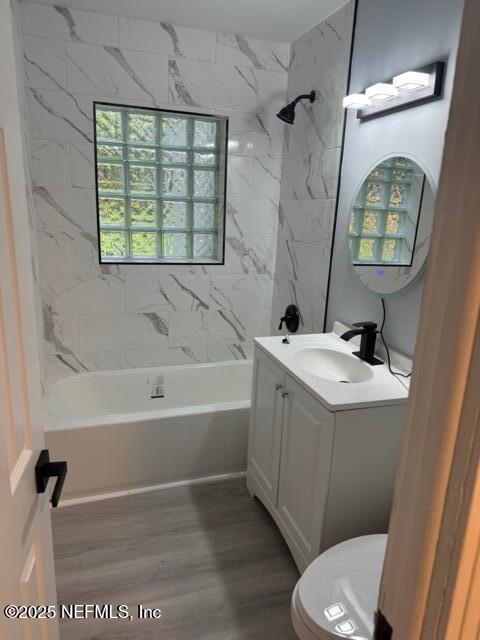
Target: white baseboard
point(70, 502)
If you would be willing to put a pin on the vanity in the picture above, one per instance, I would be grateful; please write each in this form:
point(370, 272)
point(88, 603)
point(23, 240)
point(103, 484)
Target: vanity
point(324, 440)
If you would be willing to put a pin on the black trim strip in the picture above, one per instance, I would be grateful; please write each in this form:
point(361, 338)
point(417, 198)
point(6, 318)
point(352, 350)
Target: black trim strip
point(383, 630)
point(340, 168)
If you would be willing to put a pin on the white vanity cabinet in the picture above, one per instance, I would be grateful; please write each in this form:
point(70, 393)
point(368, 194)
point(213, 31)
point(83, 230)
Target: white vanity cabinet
point(324, 476)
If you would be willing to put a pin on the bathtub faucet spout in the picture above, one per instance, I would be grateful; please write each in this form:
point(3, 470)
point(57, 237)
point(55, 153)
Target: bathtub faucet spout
point(158, 388)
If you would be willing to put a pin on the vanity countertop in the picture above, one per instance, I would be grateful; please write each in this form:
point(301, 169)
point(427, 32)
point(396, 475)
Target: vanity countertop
point(382, 388)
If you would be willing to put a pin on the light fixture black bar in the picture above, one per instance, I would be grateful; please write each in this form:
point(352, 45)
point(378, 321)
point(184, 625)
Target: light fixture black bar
point(407, 99)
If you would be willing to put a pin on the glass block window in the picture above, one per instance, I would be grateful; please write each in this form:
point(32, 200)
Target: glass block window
point(160, 185)
point(384, 219)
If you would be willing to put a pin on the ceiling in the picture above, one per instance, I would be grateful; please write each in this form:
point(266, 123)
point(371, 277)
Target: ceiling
point(281, 20)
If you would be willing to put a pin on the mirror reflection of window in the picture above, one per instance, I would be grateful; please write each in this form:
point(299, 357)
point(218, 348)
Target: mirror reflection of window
point(384, 219)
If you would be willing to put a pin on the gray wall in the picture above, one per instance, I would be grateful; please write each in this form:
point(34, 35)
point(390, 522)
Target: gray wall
point(391, 37)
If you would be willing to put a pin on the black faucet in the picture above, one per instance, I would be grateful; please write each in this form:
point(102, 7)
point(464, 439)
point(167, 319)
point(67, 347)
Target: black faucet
point(368, 331)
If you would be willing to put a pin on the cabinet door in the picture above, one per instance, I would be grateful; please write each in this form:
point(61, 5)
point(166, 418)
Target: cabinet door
point(304, 472)
point(265, 429)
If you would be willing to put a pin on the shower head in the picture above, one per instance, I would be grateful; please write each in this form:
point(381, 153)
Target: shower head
point(287, 113)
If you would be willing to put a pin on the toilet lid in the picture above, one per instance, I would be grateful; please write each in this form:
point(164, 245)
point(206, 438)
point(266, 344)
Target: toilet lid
point(338, 592)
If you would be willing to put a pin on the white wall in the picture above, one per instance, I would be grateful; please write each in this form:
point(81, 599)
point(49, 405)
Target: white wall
point(127, 316)
point(311, 165)
point(391, 37)
point(12, 123)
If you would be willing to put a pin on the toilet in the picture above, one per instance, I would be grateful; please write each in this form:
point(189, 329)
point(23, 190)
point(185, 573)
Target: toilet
point(338, 592)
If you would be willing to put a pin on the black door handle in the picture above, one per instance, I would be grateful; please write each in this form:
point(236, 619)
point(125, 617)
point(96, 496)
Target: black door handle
point(44, 470)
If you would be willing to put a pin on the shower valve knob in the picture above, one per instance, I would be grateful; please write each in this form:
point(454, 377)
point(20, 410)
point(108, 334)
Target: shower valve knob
point(291, 319)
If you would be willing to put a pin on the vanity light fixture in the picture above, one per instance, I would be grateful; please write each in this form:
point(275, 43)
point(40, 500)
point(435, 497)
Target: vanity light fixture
point(381, 91)
point(404, 90)
point(411, 80)
point(356, 101)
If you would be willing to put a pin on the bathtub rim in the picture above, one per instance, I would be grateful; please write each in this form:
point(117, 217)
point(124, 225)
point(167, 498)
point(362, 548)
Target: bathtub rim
point(54, 380)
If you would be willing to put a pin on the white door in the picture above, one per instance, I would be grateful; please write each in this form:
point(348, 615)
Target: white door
point(26, 559)
point(304, 471)
point(265, 433)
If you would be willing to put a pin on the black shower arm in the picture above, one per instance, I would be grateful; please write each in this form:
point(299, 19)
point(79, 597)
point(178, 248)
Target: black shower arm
point(310, 96)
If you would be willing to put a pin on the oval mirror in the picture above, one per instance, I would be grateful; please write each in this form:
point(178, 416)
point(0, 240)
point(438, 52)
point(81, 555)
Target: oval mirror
point(390, 225)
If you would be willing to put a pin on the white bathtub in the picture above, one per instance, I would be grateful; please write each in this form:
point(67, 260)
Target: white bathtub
point(116, 438)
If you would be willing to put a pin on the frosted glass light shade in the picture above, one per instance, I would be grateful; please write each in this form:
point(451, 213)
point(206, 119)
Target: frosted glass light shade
point(411, 80)
point(356, 101)
point(381, 91)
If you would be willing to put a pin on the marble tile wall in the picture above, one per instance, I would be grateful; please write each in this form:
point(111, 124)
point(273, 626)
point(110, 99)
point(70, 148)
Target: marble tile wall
point(104, 317)
point(319, 60)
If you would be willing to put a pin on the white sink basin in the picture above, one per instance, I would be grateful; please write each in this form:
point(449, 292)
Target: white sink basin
point(321, 362)
point(332, 365)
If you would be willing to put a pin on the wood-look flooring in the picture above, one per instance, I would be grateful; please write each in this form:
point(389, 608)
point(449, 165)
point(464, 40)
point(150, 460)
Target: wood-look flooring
point(209, 556)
